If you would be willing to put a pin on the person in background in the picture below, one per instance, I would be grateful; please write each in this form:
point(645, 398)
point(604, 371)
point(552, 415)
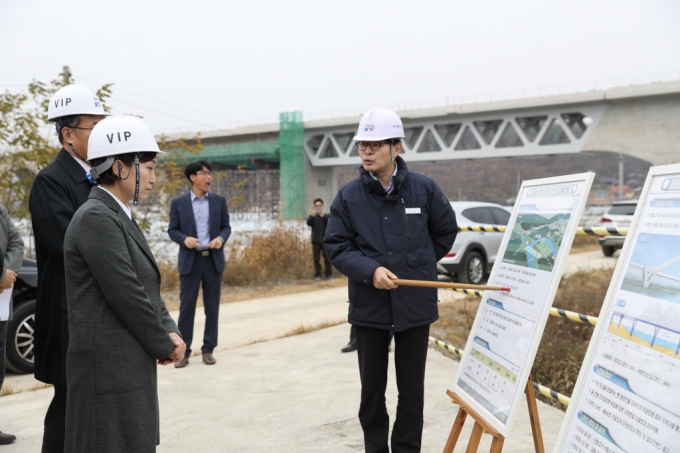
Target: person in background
point(199, 223)
point(352, 345)
point(318, 220)
point(58, 191)
point(389, 223)
point(11, 257)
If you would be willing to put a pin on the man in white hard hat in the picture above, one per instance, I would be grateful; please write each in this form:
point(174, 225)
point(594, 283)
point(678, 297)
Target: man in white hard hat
point(58, 191)
point(389, 224)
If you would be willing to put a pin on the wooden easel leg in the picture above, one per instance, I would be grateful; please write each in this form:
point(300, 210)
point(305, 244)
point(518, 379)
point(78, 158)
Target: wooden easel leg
point(533, 417)
point(475, 437)
point(455, 431)
point(497, 444)
point(480, 427)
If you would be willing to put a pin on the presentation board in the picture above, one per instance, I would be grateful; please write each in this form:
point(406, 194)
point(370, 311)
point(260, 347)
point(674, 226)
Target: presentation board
point(507, 330)
point(627, 395)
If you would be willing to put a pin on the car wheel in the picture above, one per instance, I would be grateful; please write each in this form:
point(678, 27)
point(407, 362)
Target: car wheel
point(608, 250)
point(473, 269)
point(20, 339)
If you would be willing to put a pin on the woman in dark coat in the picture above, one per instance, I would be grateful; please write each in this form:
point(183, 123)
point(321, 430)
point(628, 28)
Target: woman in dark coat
point(119, 326)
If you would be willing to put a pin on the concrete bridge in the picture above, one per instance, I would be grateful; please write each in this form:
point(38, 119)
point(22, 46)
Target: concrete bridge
point(642, 121)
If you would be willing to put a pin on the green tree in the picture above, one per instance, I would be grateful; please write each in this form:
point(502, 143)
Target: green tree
point(27, 139)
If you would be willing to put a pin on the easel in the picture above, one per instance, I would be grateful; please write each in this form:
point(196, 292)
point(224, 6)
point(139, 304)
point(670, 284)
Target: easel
point(481, 425)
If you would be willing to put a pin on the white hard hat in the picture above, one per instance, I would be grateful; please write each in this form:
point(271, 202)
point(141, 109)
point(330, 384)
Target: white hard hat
point(379, 124)
point(74, 100)
point(121, 135)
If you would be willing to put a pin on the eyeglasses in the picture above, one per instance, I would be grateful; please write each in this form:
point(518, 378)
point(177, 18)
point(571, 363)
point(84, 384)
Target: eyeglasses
point(375, 146)
point(204, 173)
point(78, 127)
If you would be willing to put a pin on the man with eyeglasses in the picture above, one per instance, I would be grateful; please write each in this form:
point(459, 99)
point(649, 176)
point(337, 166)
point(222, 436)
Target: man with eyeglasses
point(387, 224)
point(199, 223)
point(58, 191)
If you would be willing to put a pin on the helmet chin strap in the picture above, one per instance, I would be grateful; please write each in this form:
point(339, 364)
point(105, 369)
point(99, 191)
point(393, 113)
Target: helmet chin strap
point(136, 199)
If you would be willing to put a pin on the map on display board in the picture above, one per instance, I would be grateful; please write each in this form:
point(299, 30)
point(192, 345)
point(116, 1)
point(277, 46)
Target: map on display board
point(627, 396)
point(508, 326)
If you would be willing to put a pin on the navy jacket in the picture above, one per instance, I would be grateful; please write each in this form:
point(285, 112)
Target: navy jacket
point(183, 224)
point(407, 232)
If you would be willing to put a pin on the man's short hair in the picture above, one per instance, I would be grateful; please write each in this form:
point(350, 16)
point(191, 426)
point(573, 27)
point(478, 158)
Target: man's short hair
point(319, 200)
point(194, 167)
point(65, 121)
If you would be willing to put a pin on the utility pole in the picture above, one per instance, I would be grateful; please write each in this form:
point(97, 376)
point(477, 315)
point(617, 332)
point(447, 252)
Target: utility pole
point(66, 75)
point(620, 176)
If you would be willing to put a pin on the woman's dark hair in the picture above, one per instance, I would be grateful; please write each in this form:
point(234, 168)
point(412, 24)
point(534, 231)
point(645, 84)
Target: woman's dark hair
point(194, 167)
point(109, 177)
point(319, 200)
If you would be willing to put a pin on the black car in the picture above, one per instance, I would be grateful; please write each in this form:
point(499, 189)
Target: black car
point(20, 328)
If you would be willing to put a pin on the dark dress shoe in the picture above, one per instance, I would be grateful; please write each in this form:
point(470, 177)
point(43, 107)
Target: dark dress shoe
point(351, 346)
point(182, 363)
point(208, 358)
point(6, 438)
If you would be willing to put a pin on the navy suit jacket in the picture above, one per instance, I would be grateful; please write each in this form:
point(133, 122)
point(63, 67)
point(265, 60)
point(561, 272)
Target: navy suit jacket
point(183, 225)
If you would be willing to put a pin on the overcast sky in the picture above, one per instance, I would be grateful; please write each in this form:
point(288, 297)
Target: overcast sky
point(214, 63)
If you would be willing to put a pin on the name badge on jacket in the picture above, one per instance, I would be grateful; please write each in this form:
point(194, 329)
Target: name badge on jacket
point(412, 210)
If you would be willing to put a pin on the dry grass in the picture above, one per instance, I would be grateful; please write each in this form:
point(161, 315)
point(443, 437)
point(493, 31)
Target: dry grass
point(169, 276)
point(280, 255)
point(299, 330)
point(305, 328)
point(584, 243)
point(9, 389)
point(564, 343)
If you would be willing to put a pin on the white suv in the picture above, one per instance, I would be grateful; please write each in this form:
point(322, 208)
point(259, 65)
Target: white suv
point(619, 215)
point(473, 254)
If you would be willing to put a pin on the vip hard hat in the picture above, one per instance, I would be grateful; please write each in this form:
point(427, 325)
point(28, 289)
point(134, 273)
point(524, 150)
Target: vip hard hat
point(116, 136)
point(121, 135)
point(74, 100)
point(379, 124)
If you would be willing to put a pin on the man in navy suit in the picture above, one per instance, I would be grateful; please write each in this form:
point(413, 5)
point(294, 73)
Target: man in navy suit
point(199, 223)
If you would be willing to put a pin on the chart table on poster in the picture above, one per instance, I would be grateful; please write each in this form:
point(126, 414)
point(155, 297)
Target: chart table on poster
point(492, 373)
point(627, 399)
